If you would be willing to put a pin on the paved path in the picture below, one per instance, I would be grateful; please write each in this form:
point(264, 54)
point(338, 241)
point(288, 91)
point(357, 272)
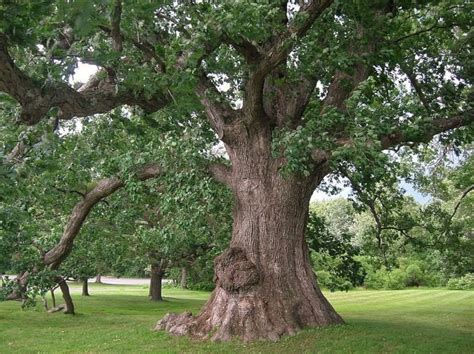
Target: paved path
point(123, 281)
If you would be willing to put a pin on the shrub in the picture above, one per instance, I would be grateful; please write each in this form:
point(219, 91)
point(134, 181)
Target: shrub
point(414, 276)
point(395, 280)
point(464, 283)
point(323, 277)
point(329, 271)
point(332, 282)
point(376, 279)
point(384, 279)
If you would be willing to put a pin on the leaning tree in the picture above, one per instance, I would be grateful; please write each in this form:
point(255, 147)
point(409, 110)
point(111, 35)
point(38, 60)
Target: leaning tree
point(295, 91)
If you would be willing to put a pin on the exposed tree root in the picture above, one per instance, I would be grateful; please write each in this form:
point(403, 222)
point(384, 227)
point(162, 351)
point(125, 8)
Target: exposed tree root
point(242, 306)
point(58, 308)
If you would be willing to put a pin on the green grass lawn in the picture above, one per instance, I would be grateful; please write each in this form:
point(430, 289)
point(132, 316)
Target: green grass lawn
point(120, 318)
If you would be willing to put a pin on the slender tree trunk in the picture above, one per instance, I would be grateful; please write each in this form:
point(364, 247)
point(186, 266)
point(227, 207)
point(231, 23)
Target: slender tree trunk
point(85, 287)
point(157, 273)
point(98, 279)
point(69, 309)
point(53, 298)
point(265, 286)
point(184, 278)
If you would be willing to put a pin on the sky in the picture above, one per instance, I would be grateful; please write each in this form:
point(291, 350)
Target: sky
point(410, 190)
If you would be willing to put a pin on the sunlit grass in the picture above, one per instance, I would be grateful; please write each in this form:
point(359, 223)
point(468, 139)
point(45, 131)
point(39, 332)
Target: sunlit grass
point(120, 319)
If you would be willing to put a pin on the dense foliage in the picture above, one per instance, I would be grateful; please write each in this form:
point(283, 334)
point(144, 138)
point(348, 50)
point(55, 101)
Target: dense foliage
point(413, 245)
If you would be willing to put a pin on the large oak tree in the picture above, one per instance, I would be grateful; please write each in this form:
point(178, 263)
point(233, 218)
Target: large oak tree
point(295, 90)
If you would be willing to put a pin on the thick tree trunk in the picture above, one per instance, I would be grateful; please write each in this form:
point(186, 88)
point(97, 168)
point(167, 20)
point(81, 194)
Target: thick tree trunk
point(98, 279)
point(85, 287)
point(184, 278)
point(265, 286)
point(69, 305)
point(157, 273)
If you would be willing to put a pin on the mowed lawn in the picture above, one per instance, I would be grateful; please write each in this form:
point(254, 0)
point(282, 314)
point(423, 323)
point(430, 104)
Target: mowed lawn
point(120, 319)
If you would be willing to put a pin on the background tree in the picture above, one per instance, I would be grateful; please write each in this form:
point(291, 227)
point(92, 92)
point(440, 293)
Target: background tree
point(330, 235)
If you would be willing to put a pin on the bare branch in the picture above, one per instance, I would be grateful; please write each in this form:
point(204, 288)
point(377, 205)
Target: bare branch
point(145, 47)
point(312, 10)
point(425, 30)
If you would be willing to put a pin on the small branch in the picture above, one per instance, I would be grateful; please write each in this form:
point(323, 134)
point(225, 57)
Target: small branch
point(436, 126)
point(425, 30)
point(149, 171)
point(69, 191)
point(416, 86)
point(312, 11)
point(463, 195)
point(398, 136)
point(145, 47)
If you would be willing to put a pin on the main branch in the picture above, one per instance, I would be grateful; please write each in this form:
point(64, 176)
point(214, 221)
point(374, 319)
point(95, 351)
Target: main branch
point(81, 210)
point(426, 133)
point(37, 98)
